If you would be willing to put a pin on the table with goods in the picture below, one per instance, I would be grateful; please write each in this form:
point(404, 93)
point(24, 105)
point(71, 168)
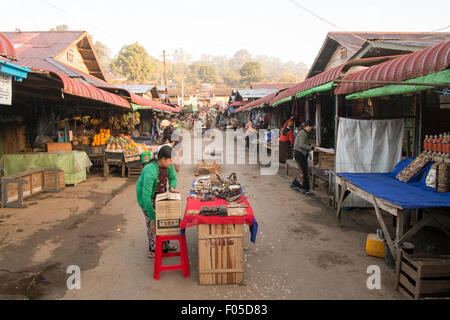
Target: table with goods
point(218, 206)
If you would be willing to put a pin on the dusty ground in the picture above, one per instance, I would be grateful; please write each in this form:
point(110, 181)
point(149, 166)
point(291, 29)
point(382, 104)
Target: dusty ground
point(300, 252)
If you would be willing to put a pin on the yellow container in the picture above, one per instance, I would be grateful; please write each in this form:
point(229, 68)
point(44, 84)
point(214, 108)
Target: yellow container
point(375, 246)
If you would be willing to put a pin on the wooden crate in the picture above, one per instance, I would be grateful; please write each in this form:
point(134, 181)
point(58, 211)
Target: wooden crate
point(135, 171)
point(168, 213)
point(32, 181)
point(326, 161)
point(220, 254)
point(49, 180)
point(419, 278)
point(59, 146)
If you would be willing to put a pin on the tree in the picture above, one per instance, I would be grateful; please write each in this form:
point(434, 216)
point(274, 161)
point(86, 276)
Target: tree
point(251, 72)
point(288, 77)
point(134, 63)
point(207, 74)
point(239, 59)
point(103, 54)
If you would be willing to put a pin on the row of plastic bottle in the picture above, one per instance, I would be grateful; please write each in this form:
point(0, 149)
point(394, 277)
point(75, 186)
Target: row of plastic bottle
point(437, 145)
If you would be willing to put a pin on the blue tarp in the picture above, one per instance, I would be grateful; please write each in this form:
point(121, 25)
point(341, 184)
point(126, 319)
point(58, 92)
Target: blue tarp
point(411, 195)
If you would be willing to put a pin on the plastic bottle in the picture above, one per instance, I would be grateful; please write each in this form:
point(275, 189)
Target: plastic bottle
point(425, 144)
point(439, 144)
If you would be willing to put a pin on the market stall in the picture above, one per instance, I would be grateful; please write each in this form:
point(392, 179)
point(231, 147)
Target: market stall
point(219, 214)
point(73, 163)
point(387, 191)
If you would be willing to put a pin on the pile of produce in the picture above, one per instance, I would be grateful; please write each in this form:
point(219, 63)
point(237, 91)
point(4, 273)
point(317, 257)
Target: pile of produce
point(101, 138)
point(124, 144)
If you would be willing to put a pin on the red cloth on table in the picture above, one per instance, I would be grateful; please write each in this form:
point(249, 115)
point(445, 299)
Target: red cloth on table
point(197, 204)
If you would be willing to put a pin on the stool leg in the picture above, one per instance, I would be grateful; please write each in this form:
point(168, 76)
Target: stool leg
point(184, 256)
point(158, 258)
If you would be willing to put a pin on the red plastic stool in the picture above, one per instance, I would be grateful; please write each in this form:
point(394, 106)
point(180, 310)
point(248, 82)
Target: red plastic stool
point(159, 254)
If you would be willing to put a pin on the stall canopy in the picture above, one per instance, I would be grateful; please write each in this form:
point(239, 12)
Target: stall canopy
point(78, 88)
point(257, 103)
point(427, 66)
point(6, 48)
point(325, 80)
point(8, 54)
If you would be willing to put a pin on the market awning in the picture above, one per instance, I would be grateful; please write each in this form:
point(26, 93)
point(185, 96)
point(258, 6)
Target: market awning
point(237, 104)
point(411, 66)
point(257, 103)
point(77, 88)
point(442, 77)
point(6, 48)
point(323, 81)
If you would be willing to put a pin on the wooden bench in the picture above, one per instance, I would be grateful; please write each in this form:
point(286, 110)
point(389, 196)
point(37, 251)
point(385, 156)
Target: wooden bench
point(25, 184)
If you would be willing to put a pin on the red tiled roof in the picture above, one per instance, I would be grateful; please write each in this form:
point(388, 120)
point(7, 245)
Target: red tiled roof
point(265, 99)
point(410, 66)
point(80, 89)
point(6, 48)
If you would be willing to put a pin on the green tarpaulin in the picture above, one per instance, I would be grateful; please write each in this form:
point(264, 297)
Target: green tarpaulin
point(74, 163)
point(442, 77)
point(281, 101)
point(322, 88)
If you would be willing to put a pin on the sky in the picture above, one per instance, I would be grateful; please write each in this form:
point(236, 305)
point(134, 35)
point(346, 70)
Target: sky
point(276, 28)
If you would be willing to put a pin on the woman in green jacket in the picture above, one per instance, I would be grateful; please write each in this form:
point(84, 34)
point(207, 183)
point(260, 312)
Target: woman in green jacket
point(153, 180)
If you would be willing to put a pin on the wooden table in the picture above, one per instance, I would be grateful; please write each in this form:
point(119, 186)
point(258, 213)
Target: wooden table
point(345, 187)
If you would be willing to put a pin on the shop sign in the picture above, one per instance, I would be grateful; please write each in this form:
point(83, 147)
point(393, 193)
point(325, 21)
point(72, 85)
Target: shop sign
point(70, 55)
point(5, 89)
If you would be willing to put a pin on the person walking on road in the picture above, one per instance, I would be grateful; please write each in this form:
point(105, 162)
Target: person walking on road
point(153, 181)
point(301, 151)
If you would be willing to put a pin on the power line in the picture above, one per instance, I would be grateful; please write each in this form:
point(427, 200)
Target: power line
point(440, 29)
point(85, 22)
point(326, 21)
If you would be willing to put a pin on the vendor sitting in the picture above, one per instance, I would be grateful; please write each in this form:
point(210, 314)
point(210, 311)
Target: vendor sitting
point(153, 180)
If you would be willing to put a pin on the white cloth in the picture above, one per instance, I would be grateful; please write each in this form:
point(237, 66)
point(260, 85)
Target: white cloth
point(369, 146)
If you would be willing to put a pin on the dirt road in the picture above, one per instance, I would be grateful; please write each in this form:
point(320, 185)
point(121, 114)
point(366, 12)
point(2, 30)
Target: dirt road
point(300, 252)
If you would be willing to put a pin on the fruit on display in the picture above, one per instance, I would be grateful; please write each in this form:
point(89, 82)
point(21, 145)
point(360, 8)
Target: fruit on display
point(124, 144)
point(101, 138)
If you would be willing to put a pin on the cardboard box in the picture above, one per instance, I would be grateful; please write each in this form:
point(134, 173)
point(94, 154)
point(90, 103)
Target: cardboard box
point(59, 146)
point(168, 213)
point(326, 161)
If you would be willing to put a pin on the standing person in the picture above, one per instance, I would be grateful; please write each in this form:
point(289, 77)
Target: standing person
point(286, 140)
point(301, 150)
point(153, 181)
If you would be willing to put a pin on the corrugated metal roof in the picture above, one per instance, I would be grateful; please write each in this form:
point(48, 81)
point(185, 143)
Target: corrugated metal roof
point(237, 104)
point(33, 47)
point(263, 100)
point(137, 88)
point(327, 76)
point(253, 94)
point(413, 65)
point(355, 40)
point(80, 89)
point(6, 48)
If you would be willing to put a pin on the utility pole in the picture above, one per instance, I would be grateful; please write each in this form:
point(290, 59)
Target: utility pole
point(182, 92)
point(165, 74)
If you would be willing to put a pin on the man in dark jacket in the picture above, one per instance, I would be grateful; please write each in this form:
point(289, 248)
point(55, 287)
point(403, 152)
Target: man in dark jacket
point(301, 150)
